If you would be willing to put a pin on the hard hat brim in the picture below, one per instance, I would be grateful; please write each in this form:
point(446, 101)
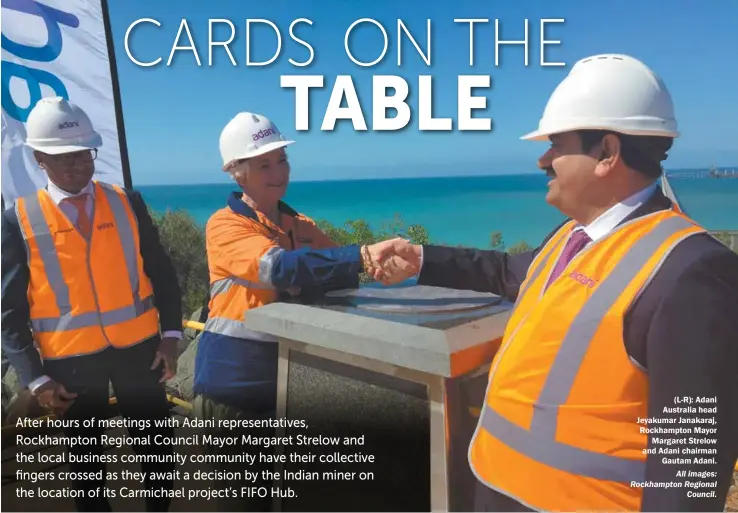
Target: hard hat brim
point(59, 149)
point(543, 135)
point(260, 151)
point(536, 135)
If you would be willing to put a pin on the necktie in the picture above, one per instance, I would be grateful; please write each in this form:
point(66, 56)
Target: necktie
point(576, 243)
point(83, 220)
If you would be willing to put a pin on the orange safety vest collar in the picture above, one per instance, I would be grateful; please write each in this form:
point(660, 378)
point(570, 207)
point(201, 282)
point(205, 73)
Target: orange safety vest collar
point(79, 303)
point(558, 429)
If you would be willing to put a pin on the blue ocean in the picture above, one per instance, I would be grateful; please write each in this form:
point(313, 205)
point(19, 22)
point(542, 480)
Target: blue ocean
point(454, 210)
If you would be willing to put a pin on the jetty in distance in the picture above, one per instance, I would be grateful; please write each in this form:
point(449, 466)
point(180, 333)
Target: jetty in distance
point(712, 172)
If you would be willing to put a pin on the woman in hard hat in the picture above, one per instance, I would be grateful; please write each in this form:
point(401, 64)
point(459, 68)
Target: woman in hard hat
point(259, 249)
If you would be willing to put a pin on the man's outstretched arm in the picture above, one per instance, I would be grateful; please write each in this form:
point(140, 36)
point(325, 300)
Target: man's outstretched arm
point(473, 269)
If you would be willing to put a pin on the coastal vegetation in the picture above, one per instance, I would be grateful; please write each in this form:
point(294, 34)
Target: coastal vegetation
point(730, 239)
point(184, 240)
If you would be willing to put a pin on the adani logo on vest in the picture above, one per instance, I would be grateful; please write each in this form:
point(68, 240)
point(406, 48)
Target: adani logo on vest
point(584, 280)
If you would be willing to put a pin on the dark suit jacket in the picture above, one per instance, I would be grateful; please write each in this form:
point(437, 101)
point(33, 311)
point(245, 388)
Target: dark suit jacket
point(17, 340)
point(683, 330)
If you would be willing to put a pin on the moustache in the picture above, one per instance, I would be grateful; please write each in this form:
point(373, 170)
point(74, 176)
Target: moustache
point(549, 171)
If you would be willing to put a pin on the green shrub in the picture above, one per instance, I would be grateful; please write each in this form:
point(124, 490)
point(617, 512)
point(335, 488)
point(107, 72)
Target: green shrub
point(497, 243)
point(184, 240)
point(359, 232)
point(725, 238)
point(520, 247)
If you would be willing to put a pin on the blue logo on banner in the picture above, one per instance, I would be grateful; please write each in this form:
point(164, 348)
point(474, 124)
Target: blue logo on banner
point(53, 18)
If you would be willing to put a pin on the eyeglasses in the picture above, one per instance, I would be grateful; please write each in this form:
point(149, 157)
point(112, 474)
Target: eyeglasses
point(67, 159)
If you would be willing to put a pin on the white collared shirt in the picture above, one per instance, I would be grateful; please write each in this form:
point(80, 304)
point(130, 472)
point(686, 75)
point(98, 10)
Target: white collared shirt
point(606, 223)
point(58, 195)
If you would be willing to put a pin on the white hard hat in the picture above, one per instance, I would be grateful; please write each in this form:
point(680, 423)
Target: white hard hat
point(609, 92)
point(57, 126)
point(249, 135)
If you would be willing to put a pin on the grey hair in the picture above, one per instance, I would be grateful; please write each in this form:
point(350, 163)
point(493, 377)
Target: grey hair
point(236, 171)
point(236, 174)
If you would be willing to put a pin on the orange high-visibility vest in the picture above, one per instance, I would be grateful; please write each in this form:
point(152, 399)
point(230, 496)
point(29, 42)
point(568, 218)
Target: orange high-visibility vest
point(559, 426)
point(241, 251)
point(85, 295)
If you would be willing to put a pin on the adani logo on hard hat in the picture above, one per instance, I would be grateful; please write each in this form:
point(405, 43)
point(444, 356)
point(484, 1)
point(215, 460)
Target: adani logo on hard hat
point(261, 134)
point(68, 124)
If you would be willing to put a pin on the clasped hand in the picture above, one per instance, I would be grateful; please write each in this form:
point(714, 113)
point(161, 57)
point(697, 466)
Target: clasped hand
point(391, 261)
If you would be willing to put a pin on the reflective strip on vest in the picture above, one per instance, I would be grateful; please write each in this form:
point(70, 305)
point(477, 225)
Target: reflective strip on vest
point(50, 257)
point(235, 328)
point(70, 322)
point(232, 327)
point(224, 285)
point(266, 263)
point(539, 442)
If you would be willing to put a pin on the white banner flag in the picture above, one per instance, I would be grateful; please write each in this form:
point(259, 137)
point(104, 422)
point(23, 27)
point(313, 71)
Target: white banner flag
point(54, 48)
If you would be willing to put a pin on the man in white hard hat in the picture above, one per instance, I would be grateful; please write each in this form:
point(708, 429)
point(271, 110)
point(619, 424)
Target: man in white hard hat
point(621, 348)
point(86, 280)
point(259, 250)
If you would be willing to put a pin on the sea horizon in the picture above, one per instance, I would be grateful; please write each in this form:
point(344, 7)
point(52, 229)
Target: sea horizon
point(455, 210)
point(296, 179)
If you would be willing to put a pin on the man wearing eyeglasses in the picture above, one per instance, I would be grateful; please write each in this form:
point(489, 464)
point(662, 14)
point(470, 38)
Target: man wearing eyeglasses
point(86, 281)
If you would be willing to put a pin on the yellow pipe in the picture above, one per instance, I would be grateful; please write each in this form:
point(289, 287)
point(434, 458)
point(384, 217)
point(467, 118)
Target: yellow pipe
point(179, 402)
point(194, 325)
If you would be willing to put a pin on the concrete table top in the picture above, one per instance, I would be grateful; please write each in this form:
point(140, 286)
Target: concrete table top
point(440, 331)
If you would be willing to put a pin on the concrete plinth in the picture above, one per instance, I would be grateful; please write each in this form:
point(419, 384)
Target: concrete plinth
point(401, 367)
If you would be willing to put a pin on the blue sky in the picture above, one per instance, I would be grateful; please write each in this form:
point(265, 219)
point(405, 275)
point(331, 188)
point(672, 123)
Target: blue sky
point(174, 114)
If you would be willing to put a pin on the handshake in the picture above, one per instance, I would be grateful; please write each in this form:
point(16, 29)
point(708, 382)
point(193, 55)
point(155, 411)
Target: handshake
point(391, 261)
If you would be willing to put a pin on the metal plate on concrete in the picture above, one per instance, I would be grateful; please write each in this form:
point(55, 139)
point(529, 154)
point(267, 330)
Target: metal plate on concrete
point(417, 299)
